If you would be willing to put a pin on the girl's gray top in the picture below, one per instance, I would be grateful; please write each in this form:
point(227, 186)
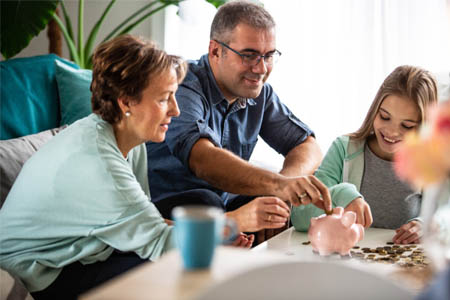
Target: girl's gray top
point(392, 202)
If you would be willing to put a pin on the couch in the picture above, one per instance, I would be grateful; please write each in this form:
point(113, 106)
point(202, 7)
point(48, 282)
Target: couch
point(39, 97)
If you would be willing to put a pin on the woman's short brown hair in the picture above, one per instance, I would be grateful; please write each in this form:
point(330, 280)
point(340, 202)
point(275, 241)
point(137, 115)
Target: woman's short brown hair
point(123, 67)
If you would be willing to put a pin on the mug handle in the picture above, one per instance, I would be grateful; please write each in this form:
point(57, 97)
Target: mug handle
point(232, 231)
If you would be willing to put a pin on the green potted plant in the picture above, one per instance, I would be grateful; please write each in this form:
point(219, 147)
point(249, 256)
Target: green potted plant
point(23, 20)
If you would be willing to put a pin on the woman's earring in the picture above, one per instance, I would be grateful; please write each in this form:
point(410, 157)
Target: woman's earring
point(127, 114)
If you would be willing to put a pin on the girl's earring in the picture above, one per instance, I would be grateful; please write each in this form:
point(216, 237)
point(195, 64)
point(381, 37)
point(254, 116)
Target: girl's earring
point(372, 132)
point(127, 114)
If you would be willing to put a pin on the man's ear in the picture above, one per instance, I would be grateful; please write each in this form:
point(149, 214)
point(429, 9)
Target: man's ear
point(213, 50)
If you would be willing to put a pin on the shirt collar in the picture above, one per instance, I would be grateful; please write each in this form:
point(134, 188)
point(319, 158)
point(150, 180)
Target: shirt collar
point(217, 93)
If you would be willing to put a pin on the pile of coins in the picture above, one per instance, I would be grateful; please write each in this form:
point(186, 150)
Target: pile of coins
point(402, 255)
point(406, 256)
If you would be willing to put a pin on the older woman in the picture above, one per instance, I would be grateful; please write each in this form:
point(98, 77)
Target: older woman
point(79, 212)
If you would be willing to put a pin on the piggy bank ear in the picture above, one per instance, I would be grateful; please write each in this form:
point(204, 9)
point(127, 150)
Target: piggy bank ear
point(348, 219)
point(338, 211)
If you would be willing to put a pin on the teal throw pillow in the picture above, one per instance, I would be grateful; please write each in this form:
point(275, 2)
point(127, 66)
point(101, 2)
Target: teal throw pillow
point(29, 95)
point(74, 92)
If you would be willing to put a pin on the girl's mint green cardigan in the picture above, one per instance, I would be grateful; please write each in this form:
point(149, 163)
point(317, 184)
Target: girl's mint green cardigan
point(341, 171)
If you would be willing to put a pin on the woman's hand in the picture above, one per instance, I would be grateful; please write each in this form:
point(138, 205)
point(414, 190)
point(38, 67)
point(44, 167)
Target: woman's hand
point(408, 233)
point(243, 240)
point(168, 222)
point(261, 213)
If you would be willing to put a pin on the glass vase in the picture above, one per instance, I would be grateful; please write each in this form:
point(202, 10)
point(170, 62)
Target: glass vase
point(435, 213)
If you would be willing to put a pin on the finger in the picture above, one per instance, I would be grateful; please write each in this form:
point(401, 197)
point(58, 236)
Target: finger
point(313, 193)
point(237, 241)
point(250, 239)
point(274, 218)
point(397, 235)
point(407, 237)
point(402, 229)
point(368, 216)
point(276, 201)
point(360, 218)
point(402, 238)
point(414, 238)
point(305, 200)
point(295, 200)
point(273, 225)
point(277, 211)
point(326, 197)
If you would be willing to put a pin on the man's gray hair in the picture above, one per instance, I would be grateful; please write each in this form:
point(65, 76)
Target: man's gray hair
point(233, 13)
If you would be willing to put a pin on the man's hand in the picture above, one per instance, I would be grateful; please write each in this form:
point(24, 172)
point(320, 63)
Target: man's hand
point(243, 240)
point(261, 213)
point(303, 190)
point(408, 233)
point(362, 210)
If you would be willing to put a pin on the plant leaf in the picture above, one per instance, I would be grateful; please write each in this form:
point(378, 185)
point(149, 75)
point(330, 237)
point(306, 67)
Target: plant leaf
point(128, 19)
point(67, 20)
point(91, 39)
point(216, 3)
point(69, 41)
point(141, 19)
point(81, 31)
point(21, 21)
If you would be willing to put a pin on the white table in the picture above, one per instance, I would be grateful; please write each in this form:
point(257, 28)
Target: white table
point(289, 243)
point(166, 279)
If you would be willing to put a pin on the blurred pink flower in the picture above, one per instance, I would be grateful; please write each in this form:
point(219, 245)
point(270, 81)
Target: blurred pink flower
point(424, 157)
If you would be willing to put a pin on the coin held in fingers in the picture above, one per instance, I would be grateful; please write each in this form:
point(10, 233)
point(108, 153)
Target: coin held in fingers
point(327, 212)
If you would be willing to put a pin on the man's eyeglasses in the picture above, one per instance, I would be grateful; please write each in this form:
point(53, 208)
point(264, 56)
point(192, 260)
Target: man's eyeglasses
point(252, 60)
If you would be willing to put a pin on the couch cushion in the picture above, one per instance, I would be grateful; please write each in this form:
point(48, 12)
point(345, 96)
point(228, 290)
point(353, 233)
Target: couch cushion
point(15, 152)
point(74, 92)
point(29, 97)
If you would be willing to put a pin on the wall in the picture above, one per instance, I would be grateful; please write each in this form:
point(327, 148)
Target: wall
point(93, 9)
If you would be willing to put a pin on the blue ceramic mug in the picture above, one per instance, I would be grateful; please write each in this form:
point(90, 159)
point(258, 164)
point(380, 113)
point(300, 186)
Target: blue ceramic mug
point(198, 230)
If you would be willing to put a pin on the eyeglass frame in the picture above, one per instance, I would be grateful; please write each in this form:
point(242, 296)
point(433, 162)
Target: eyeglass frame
point(263, 57)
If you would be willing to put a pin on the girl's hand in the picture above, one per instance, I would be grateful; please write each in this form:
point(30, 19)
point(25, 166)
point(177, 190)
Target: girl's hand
point(362, 210)
point(408, 233)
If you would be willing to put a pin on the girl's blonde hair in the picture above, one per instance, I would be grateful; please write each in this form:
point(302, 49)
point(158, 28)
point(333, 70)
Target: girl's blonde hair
point(412, 82)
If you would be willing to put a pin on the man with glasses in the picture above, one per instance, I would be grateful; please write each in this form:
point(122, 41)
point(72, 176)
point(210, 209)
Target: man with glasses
point(225, 104)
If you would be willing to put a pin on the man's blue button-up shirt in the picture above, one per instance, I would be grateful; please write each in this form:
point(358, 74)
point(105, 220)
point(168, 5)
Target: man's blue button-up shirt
point(205, 113)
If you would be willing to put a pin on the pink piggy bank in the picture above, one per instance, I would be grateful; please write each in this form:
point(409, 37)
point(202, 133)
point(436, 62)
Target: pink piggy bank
point(335, 233)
